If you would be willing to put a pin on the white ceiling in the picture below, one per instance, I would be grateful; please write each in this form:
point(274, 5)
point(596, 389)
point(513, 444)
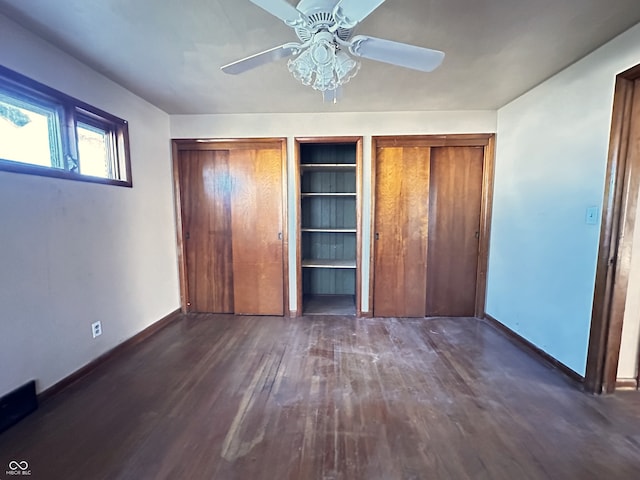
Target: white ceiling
point(169, 51)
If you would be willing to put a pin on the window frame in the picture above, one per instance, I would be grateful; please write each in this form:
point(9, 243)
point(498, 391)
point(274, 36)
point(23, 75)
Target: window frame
point(71, 111)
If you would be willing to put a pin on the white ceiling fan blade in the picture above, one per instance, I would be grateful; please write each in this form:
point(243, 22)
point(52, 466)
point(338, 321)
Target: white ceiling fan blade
point(253, 61)
point(401, 54)
point(281, 9)
point(348, 13)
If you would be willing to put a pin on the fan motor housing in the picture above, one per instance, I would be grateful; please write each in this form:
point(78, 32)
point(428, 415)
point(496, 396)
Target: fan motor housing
point(320, 17)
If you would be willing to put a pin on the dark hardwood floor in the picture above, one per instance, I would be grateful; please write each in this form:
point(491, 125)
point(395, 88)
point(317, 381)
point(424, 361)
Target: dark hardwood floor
point(224, 397)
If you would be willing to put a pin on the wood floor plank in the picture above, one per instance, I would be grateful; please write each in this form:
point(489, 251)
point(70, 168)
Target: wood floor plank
point(331, 398)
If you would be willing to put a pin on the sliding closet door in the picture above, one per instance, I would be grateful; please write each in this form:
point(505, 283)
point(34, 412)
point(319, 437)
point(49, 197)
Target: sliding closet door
point(431, 217)
point(206, 220)
point(455, 193)
point(401, 207)
point(256, 218)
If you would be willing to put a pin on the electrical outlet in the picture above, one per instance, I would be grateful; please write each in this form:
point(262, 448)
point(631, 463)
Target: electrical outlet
point(96, 329)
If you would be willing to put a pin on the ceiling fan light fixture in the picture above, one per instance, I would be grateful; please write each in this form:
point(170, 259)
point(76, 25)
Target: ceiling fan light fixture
point(324, 57)
point(346, 67)
point(323, 66)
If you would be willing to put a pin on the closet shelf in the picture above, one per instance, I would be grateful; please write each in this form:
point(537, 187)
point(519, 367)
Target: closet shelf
point(329, 230)
point(328, 194)
point(328, 167)
point(328, 263)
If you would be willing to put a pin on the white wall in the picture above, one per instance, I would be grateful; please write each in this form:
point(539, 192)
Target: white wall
point(550, 166)
point(72, 252)
point(326, 124)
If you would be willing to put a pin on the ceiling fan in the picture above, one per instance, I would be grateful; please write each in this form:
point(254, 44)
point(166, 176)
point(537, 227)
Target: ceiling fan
point(325, 29)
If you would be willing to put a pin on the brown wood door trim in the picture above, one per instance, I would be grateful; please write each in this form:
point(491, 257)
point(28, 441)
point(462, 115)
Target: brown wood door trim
point(359, 226)
point(616, 238)
point(485, 140)
point(488, 171)
point(457, 140)
point(177, 197)
point(638, 373)
point(298, 217)
point(372, 217)
point(225, 144)
point(347, 139)
point(285, 226)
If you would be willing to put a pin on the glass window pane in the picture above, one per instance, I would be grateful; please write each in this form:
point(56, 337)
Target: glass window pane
point(45, 132)
point(26, 133)
point(93, 151)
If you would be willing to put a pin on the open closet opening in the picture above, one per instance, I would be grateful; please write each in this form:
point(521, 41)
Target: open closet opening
point(329, 226)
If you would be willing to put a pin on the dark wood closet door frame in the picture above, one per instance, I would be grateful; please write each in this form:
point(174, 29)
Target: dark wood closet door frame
point(350, 140)
point(227, 144)
point(616, 236)
point(487, 141)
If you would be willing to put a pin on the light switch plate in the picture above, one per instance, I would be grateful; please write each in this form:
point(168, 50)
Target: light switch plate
point(591, 217)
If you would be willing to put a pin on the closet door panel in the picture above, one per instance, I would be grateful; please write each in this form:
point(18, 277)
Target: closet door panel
point(257, 244)
point(402, 202)
point(454, 224)
point(206, 216)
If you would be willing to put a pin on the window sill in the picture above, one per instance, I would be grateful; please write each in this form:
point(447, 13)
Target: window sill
point(25, 168)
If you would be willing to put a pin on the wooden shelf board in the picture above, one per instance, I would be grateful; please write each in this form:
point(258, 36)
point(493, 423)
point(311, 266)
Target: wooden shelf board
point(327, 166)
point(329, 230)
point(327, 194)
point(328, 305)
point(328, 263)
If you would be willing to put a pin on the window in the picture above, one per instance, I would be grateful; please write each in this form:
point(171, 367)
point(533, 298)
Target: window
point(45, 132)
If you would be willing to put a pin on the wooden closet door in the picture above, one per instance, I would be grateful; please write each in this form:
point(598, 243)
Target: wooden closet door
point(206, 218)
point(401, 206)
point(256, 218)
point(454, 223)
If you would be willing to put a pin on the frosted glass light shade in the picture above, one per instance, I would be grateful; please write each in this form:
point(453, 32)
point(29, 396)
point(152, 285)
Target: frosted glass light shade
point(323, 66)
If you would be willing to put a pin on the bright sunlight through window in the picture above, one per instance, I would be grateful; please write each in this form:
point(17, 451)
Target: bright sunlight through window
point(45, 132)
point(25, 134)
point(93, 151)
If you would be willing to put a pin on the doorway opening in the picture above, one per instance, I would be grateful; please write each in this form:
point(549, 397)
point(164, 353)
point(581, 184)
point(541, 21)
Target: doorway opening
point(328, 225)
point(616, 237)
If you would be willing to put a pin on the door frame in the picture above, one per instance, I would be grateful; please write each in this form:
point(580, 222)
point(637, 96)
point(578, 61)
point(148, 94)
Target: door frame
point(179, 145)
point(296, 180)
point(622, 184)
point(485, 140)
